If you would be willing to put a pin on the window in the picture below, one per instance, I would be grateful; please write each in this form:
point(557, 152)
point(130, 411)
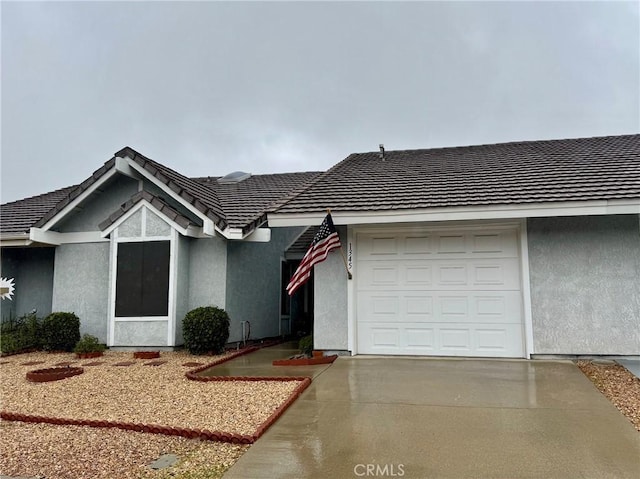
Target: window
point(142, 279)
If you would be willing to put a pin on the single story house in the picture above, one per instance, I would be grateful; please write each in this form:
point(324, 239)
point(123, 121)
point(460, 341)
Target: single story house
point(137, 245)
point(526, 249)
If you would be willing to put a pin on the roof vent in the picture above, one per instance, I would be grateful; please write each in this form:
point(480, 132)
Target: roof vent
point(382, 152)
point(235, 177)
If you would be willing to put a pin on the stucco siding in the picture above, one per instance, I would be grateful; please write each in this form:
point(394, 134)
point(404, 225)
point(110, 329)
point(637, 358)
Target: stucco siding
point(330, 301)
point(182, 287)
point(207, 272)
point(99, 206)
point(81, 285)
point(141, 333)
point(585, 284)
point(32, 271)
point(253, 283)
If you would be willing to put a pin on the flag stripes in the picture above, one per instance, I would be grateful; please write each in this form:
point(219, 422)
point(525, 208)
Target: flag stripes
point(325, 240)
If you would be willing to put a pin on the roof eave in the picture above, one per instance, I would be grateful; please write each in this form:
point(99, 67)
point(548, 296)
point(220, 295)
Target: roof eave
point(14, 239)
point(458, 213)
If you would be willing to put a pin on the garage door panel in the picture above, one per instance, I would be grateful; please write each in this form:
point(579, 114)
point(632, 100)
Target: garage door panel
point(485, 340)
point(439, 293)
point(447, 307)
point(442, 274)
point(484, 243)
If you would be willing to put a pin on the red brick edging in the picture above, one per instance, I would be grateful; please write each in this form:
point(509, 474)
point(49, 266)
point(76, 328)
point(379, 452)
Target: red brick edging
point(52, 374)
point(203, 434)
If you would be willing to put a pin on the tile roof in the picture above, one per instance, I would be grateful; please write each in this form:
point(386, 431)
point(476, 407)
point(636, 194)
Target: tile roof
point(237, 205)
point(73, 193)
point(202, 198)
point(245, 203)
point(509, 173)
point(18, 216)
point(158, 203)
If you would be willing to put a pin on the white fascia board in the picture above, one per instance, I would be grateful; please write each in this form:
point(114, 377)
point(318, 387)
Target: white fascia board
point(569, 208)
point(208, 226)
point(18, 239)
point(123, 166)
point(79, 199)
point(258, 235)
point(189, 231)
point(40, 235)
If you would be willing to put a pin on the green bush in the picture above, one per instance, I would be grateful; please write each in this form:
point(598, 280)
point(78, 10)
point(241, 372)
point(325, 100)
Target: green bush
point(306, 345)
point(60, 332)
point(89, 344)
point(9, 343)
point(18, 334)
point(205, 330)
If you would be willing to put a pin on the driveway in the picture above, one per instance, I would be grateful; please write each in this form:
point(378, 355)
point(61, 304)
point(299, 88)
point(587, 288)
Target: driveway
point(446, 418)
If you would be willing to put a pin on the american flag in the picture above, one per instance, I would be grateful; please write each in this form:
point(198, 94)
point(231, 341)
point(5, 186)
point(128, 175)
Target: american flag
point(325, 240)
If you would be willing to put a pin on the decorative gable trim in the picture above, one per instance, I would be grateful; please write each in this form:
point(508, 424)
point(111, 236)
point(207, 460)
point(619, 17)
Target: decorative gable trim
point(145, 199)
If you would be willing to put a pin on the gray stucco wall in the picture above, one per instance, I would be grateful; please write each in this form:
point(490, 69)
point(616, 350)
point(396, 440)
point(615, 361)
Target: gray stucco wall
point(585, 284)
point(81, 285)
point(253, 283)
point(182, 287)
point(32, 271)
point(141, 333)
point(207, 272)
point(330, 326)
point(99, 205)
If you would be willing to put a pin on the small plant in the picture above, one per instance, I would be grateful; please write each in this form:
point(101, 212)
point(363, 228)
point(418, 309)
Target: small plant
point(205, 330)
point(89, 344)
point(60, 332)
point(306, 345)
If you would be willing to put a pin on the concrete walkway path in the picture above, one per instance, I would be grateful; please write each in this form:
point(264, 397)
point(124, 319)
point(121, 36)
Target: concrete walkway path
point(259, 363)
point(435, 418)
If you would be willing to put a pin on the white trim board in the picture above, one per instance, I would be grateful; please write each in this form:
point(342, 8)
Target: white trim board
point(462, 213)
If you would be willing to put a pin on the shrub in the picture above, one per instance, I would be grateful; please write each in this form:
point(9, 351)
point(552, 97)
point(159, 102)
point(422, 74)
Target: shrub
point(205, 329)
point(89, 344)
point(18, 334)
point(306, 345)
point(60, 332)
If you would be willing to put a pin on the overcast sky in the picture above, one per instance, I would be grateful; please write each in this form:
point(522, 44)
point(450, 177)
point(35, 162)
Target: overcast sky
point(207, 88)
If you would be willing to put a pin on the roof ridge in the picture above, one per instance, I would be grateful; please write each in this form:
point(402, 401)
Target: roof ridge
point(277, 205)
point(506, 143)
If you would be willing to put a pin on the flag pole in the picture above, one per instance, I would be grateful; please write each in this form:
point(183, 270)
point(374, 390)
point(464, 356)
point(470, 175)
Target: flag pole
point(344, 258)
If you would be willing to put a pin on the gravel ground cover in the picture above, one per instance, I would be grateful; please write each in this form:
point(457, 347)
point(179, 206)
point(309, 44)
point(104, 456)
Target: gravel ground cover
point(618, 385)
point(137, 393)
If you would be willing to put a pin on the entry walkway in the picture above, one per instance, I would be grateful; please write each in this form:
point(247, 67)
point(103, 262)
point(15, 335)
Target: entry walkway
point(420, 418)
point(259, 363)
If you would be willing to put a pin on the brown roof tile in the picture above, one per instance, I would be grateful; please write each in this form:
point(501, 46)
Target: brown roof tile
point(239, 205)
point(246, 202)
point(190, 190)
point(19, 216)
point(158, 203)
point(510, 173)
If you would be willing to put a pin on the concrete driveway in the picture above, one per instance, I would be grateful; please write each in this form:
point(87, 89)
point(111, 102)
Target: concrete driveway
point(442, 418)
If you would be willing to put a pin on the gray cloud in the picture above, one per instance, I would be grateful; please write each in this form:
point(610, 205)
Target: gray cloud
point(211, 87)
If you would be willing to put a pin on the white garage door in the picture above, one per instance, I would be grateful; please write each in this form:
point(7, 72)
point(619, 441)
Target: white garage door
point(441, 293)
